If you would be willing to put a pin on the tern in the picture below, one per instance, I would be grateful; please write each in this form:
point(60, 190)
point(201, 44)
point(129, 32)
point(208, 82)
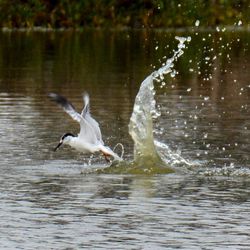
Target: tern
point(89, 139)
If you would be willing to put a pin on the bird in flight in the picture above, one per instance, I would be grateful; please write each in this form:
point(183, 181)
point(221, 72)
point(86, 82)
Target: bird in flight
point(89, 139)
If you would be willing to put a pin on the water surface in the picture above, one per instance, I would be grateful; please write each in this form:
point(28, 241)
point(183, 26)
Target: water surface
point(47, 199)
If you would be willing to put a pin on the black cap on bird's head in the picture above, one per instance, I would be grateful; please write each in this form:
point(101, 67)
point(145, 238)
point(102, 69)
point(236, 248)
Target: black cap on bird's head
point(62, 140)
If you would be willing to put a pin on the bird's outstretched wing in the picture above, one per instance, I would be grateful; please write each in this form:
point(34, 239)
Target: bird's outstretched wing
point(89, 119)
point(89, 128)
point(66, 105)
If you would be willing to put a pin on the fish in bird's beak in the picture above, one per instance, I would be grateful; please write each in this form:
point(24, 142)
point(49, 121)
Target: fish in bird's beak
point(58, 146)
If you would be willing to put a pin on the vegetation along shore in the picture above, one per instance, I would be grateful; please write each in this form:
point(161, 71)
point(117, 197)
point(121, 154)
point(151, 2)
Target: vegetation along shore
point(122, 13)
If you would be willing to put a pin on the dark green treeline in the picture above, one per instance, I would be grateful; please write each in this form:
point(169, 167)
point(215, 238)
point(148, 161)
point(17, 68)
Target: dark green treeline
point(122, 13)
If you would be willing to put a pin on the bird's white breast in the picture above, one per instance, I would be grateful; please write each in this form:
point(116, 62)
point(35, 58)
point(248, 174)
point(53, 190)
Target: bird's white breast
point(83, 146)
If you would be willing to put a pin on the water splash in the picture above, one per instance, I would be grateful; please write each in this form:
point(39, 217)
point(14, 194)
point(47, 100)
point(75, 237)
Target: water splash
point(230, 170)
point(141, 121)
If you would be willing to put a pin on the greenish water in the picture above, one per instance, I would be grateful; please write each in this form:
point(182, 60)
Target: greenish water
point(50, 200)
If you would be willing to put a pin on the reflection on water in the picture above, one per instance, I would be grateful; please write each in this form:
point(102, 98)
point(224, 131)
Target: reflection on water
point(48, 200)
point(128, 212)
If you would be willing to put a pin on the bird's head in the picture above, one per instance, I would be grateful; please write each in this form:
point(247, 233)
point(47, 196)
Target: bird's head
point(64, 140)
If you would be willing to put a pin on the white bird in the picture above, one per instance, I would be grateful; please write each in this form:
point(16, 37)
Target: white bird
point(89, 140)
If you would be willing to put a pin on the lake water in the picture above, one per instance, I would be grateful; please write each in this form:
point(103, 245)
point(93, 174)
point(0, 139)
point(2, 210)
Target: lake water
point(57, 200)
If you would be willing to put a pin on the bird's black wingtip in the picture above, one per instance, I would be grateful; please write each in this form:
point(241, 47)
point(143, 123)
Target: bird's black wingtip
point(58, 99)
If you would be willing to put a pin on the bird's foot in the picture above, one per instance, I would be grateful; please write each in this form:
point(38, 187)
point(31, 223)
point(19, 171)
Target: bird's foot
point(106, 156)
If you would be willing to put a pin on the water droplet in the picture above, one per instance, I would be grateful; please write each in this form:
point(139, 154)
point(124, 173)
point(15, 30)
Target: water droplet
point(239, 23)
point(173, 73)
point(189, 89)
point(197, 23)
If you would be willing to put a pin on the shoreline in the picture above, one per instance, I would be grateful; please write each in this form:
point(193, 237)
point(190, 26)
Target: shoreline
point(219, 28)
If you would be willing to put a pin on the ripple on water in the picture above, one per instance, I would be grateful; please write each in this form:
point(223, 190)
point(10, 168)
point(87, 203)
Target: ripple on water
point(110, 211)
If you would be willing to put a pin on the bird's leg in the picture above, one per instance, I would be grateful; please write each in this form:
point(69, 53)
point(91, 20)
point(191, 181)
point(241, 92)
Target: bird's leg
point(107, 159)
point(106, 156)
